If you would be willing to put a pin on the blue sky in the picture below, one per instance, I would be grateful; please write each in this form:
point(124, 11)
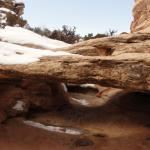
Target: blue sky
point(89, 16)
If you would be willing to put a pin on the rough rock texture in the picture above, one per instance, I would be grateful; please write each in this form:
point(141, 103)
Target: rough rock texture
point(121, 62)
point(117, 45)
point(141, 13)
point(11, 12)
point(127, 66)
point(17, 96)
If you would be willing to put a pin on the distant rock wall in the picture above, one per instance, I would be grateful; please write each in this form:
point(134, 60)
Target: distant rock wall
point(11, 13)
point(141, 14)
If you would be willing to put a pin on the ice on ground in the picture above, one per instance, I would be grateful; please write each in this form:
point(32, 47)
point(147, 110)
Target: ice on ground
point(71, 131)
point(23, 36)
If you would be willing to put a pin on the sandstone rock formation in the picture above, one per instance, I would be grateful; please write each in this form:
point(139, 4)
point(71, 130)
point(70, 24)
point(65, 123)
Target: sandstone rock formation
point(11, 13)
point(141, 13)
point(18, 96)
point(121, 62)
point(126, 66)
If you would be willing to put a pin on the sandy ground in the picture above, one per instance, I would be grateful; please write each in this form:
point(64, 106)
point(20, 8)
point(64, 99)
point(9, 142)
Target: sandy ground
point(120, 124)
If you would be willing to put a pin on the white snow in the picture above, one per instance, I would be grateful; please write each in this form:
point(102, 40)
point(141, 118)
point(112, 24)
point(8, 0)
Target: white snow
point(54, 128)
point(2, 9)
point(88, 86)
point(82, 102)
point(19, 1)
point(11, 54)
point(64, 87)
point(13, 50)
point(23, 36)
point(19, 106)
point(3, 18)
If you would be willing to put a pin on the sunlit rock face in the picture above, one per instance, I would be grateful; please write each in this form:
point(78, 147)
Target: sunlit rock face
point(141, 14)
point(11, 12)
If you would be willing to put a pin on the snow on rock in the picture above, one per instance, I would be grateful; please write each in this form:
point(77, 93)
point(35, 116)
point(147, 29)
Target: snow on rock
point(19, 1)
point(16, 42)
point(11, 54)
point(93, 86)
point(23, 36)
point(2, 9)
point(19, 106)
point(13, 50)
point(64, 87)
point(11, 9)
point(3, 19)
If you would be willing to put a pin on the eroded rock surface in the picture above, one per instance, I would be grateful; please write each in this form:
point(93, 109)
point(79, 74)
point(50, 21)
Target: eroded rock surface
point(141, 13)
point(120, 62)
point(11, 13)
point(127, 67)
point(17, 96)
point(37, 84)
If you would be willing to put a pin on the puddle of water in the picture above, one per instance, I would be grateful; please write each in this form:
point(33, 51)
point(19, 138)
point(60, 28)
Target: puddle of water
point(70, 131)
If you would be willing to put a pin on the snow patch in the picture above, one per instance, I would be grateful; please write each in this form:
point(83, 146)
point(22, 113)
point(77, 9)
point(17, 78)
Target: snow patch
point(23, 36)
point(2, 9)
point(11, 54)
point(13, 50)
point(64, 87)
point(54, 128)
point(3, 18)
point(88, 86)
point(19, 106)
point(82, 102)
point(19, 1)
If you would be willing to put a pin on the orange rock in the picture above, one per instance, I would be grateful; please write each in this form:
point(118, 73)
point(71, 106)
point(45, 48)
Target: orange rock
point(19, 96)
point(141, 13)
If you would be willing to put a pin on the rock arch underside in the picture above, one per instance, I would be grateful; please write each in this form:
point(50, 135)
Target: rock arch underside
point(100, 91)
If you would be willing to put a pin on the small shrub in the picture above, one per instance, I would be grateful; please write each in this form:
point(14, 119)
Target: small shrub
point(99, 35)
point(66, 34)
